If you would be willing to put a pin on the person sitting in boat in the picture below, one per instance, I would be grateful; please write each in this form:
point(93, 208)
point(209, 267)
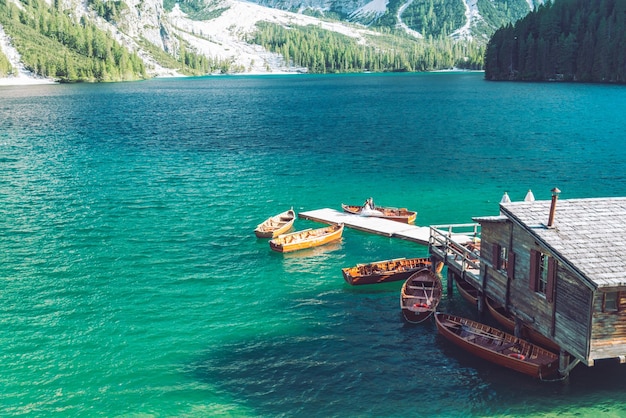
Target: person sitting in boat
point(369, 210)
point(369, 204)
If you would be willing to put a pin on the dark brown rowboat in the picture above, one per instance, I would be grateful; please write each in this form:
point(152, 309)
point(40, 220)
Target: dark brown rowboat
point(466, 290)
point(497, 346)
point(420, 296)
point(507, 321)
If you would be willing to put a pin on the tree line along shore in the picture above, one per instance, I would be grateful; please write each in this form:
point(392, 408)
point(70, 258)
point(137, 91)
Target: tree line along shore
point(568, 40)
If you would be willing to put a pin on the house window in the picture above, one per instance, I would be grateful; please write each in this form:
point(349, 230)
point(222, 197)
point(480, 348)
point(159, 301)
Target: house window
point(542, 283)
point(500, 257)
point(543, 273)
point(611, 302)
point(504, 259)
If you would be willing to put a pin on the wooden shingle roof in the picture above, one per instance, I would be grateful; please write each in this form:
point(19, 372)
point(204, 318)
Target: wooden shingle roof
point(590, 234)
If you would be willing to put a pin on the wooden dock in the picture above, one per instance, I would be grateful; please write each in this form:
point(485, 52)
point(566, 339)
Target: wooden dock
point(392, 229)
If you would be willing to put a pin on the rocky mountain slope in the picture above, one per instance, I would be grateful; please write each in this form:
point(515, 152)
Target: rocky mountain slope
point(221, 29)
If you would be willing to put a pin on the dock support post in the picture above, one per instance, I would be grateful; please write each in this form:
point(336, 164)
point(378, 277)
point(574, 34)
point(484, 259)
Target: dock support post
point(565, 366)
point(450, 277)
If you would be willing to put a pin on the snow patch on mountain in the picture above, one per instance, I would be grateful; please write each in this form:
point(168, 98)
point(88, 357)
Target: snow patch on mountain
point(21, 74)
point(472, 16)
point(224, 37)
point(403, 25)
point(371, 10)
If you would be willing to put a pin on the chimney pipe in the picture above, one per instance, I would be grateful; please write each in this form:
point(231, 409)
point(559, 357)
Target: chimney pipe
point(555, 196)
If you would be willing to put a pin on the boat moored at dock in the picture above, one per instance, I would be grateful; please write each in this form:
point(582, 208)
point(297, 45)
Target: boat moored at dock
point(497, 346)
point(368, 209)
point(385, 271)
point(307, 238)
point(420, 296)
point(276, 225)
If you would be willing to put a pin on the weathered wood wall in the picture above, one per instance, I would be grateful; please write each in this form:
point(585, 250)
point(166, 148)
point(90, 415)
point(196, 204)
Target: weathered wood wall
point(492, 235)
point(608, 337)
point(572, 314)
point(565, 320)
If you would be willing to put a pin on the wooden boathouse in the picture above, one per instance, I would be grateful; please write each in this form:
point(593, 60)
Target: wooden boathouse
point(558, 267)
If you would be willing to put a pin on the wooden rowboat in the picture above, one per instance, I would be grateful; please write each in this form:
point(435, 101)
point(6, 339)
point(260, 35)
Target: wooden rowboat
point(276, 225)
point(466, 290)
point(420, 296)
point(385, 271)
point(368, 209)
point(497, 346)
point(507, 321)
point(307, 238)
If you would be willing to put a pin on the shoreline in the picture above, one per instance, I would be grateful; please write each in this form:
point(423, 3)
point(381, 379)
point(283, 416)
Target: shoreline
point(25, 81)
point(33, 81)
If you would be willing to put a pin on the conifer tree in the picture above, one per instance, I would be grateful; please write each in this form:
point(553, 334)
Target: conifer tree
point(5, 65)
point(572, 40)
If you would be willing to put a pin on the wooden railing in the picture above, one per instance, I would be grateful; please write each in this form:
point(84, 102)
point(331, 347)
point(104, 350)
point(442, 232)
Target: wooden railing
point(445, 241)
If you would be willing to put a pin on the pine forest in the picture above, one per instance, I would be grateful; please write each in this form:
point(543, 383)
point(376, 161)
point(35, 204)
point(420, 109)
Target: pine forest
point(323, 51)
point(53, 45)
point(567, 40)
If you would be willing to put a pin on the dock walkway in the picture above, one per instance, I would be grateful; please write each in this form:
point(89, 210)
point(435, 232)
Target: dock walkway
point(393, 229)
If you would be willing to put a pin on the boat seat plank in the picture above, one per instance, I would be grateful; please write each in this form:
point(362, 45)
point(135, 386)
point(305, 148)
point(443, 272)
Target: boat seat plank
point(505, 347)
point(419, 287)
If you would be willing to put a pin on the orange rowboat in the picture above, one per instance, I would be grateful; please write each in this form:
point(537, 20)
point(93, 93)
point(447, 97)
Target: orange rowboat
point(385, 271)
point(394, 214)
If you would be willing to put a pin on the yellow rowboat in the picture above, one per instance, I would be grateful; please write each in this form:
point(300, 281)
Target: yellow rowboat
point(307, 238)
point(276, 225)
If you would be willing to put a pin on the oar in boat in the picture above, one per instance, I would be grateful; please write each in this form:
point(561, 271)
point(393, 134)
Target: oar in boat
point(481, 333)
point(469, 329)
point(429, 300)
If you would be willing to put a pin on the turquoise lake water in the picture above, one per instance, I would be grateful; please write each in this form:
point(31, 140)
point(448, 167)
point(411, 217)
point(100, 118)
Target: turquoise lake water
point(131, 283)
